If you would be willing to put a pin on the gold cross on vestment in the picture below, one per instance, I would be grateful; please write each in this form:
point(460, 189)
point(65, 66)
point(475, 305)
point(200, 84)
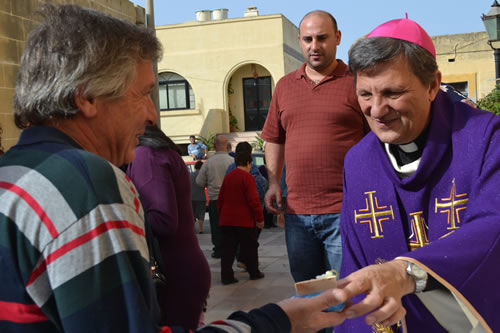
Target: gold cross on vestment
point(418, 229)
point(374, 216)
point(454, 205)
point(379, 328)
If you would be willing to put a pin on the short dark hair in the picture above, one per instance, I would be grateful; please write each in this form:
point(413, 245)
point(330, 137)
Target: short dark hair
point(321, 12)
point(198, 165)
point(366, 53)
point(242, 158)
point(243, 146)
point(192, 136)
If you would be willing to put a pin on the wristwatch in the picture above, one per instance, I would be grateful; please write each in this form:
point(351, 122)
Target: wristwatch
point(419, 275)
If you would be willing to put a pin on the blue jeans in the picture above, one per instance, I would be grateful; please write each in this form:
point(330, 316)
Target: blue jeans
point(313, 244)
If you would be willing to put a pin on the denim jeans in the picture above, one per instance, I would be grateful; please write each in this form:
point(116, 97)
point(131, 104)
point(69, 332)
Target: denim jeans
point(313, 244)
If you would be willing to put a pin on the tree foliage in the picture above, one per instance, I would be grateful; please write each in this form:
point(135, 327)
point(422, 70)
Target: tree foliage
point(491, 102)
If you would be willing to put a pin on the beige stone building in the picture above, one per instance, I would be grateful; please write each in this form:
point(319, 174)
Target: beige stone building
point(16, 20)
point(214, 65)
point(466, 61)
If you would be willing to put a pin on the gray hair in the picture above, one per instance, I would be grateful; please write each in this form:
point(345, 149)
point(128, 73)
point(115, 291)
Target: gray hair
point(76, 50)
point(367, 53)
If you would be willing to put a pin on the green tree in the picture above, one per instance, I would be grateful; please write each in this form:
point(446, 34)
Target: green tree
point(491, 102)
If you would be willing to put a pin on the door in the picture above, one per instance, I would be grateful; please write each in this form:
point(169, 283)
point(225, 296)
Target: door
point(257, 97)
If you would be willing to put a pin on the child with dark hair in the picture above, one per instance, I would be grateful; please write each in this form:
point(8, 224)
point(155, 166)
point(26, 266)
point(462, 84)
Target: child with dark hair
point(243, 158)
point(240, 214)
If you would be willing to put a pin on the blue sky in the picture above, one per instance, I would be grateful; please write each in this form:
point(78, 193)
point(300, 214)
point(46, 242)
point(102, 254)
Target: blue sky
point(354, 17)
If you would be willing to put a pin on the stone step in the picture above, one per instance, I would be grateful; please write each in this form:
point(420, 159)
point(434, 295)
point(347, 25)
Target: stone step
point(236, 137)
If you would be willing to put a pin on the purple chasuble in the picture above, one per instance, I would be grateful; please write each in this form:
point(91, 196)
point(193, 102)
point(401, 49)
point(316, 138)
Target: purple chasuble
point(448, 212)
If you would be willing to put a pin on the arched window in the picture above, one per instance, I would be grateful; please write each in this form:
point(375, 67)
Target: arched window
point(175, 92)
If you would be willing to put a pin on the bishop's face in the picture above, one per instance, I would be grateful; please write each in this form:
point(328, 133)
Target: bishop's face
point(395, 102)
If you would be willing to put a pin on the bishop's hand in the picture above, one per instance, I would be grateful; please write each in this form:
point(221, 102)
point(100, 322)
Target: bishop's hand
point(384, 285)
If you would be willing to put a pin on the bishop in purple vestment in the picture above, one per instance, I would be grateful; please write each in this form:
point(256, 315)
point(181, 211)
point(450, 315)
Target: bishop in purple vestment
point(421, 194)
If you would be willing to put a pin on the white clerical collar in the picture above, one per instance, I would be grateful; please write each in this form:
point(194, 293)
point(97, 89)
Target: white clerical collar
point(409, 147)
point(406, 170)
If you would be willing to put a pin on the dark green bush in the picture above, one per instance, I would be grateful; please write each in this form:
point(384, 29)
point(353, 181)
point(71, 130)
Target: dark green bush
point(491, 102)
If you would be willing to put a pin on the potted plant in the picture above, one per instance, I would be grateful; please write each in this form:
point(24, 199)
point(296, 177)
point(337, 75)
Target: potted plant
point(259, 142)
point(233, 122)
point(208, 141)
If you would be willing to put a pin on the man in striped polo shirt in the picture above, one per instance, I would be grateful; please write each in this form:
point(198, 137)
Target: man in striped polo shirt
point(73, 253)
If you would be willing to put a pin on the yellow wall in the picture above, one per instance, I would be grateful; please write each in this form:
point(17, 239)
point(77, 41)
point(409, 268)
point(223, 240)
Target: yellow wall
point(293, 54)
point(16, 20)
point(209, 54)
point(473, 61)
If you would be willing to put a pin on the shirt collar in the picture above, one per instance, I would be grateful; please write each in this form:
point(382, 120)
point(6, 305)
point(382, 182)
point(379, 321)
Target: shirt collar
point(39, 134)
point(339, 71)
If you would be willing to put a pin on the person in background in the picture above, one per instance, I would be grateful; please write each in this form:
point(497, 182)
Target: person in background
point(261, 183)
point(419, 220)
point(198, 197)
point(313, 120)
point(162, 179)
point(260, 180)
point(211, 176)
point(197, 150)
point(240, 214)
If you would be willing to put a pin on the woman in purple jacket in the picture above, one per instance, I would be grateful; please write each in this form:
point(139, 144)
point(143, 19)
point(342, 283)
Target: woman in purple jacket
point(162, 179)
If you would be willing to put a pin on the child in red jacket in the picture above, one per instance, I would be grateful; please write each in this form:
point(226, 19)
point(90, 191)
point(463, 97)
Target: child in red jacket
point(240, 214)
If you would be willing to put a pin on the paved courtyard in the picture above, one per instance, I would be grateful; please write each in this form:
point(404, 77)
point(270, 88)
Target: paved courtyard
point(245, 295)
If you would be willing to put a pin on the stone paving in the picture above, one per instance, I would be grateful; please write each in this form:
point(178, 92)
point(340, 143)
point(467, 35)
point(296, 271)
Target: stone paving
point(246, 294)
